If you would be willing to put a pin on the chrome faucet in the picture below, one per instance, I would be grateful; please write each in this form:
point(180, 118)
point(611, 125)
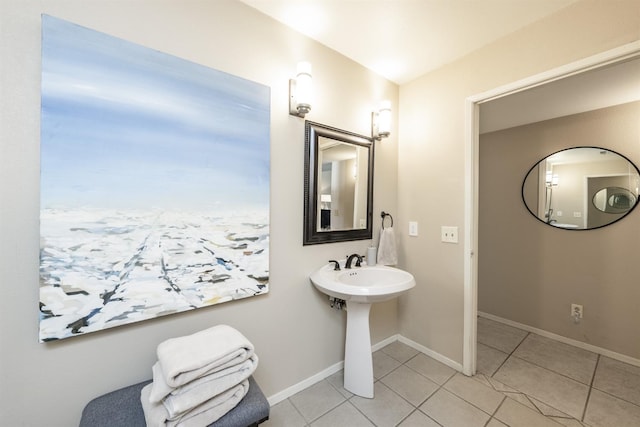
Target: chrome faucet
point(350, 260)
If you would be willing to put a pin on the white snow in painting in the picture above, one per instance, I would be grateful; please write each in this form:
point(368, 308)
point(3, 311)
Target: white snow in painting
point(101, 269)
point(154, 183)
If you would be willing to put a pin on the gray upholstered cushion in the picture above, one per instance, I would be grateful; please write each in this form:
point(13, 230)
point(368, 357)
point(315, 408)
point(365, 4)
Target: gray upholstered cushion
point(122, 408)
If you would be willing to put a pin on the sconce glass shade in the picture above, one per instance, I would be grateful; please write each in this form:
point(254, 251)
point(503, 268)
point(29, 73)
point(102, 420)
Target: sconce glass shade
point(301, 91)
point(381, 121)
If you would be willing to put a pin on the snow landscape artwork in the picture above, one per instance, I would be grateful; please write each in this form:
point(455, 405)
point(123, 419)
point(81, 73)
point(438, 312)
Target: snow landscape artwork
point(154, 183)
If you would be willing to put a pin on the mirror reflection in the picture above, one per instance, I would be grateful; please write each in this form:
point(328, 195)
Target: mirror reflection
point(343, 185)
point(581, 188)
point(338, 185)
point(614, 200)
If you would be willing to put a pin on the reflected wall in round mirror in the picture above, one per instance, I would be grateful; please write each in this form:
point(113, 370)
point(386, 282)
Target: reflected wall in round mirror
point(581, 188)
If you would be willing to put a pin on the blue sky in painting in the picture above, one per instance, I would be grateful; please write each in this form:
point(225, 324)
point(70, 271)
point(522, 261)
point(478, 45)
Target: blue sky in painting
point(127, 126)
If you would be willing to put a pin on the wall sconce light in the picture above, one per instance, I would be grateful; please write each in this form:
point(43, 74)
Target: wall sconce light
point(551, 180)
point(301, 91)
point(381, 121)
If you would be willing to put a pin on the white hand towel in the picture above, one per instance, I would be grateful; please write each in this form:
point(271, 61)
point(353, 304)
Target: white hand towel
point(184, 359)
point(213, 409)
point(190, 395)
point(387, 253)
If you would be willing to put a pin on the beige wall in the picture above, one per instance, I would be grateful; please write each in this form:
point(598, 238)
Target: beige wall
point(530, 272)
point(431, 161)
point(48, 384)
point(421, 179)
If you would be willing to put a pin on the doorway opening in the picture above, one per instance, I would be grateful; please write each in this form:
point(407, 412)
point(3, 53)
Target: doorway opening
point(472, 138)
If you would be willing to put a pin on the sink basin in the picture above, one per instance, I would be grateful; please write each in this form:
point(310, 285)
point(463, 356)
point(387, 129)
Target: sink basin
point(360, 287)
point(363, 284)
point(560, 225)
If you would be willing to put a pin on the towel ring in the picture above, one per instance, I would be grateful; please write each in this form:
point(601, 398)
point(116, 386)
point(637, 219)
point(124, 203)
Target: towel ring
point(384, 214)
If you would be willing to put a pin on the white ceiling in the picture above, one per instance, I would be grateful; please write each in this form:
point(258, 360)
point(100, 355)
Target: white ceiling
point(404, 39)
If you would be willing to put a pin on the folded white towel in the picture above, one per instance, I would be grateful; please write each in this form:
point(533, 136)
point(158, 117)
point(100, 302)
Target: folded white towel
point(184, 359)
point(213, 409)
point(182, 399)
point(387, 253)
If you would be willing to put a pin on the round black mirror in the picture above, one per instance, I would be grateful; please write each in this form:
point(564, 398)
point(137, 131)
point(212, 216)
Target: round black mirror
point(581, 188)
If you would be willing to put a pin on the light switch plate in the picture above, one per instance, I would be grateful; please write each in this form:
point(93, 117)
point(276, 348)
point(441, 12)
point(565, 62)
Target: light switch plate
point(449, 234)
point(413, 228)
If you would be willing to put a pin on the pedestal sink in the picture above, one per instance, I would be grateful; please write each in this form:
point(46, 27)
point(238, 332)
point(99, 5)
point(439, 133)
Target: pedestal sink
point(360, 287)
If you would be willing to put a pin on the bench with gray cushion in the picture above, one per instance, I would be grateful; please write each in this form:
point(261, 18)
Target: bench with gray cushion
point(122, 408)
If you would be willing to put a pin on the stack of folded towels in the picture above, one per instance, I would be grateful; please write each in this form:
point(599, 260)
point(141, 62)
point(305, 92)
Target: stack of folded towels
point(198, 378)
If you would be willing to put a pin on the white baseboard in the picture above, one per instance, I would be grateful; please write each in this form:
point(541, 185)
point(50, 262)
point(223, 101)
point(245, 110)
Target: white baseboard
point(589, 347)
point(385, 342)
point(435, 355)
point(290, 391)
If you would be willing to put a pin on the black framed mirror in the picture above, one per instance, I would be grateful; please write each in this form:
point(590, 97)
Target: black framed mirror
point(338, 185)
point(581, 188)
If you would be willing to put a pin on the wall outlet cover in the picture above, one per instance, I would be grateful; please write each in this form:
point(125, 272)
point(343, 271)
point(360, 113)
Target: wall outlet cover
point(449, 234)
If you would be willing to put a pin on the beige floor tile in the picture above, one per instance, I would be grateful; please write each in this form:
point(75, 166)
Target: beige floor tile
point(383, 364)
point(451, 411)
point(495, 423)
point(498, 335)
point(400, 351)
point(568, 422)
point(514, 414)
point(474, 392)
point(431, 368)
point(284, 414)
point(605, 410)
point(560, 392)
point(547, 410)
point(488, 359)
point(418, 419)
point(316, 400)
point(523, 399)
point(412, 387)
point(501, 387)
point(562, 358)
point(542, 377)
point(337, 381)
point(385, 409)
point(618, 379)
point(345, 415)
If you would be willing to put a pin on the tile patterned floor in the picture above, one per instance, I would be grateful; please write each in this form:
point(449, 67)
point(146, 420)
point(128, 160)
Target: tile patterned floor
point(523, 380)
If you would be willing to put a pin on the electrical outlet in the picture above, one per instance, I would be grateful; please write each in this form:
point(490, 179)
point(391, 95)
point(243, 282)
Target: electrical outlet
point(576, 312)
point(449, 234)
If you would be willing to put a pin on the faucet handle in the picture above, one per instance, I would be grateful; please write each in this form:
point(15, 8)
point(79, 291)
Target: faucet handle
point(359, 260)
point(337, 265)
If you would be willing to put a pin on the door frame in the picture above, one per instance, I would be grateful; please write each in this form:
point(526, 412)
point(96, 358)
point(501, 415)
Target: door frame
point(472, 142)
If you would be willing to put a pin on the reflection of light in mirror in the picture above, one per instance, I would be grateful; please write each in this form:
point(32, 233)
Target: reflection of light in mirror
point(551, 179)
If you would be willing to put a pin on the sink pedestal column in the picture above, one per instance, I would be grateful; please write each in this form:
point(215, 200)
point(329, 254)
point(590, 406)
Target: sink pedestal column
point(358, 364)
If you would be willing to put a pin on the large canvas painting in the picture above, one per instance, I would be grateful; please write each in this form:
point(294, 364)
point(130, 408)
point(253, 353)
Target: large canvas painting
point(154, 183)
